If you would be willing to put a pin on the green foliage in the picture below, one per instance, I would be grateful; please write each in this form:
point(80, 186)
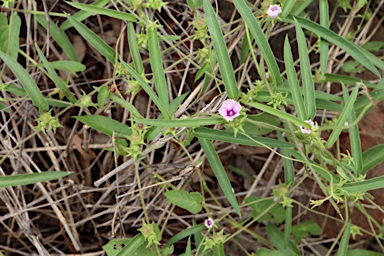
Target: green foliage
point(304, 228)
point(189, 201)
point(265, 209)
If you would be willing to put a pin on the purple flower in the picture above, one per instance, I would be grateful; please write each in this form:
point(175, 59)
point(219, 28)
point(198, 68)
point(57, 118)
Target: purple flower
point(230, 109)
point(305, 130)
point(273, 11)
point(209, 223)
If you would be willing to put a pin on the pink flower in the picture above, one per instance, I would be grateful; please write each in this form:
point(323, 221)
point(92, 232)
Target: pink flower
point(305, 130)
point(273, 11)
point(209, 223)
point(230, 109)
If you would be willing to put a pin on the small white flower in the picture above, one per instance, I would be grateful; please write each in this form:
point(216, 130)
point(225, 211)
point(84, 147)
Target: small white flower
point(305, 130)
point(209, 223)
point(274, 11)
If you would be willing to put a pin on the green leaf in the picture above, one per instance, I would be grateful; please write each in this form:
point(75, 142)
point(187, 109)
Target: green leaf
point(188, 201)
point(105, 125)
point(28, 84)
point(366, 185)
point(195, 229)
point(306, 73)
point(225, 64)
point(67, 65)
point(14, 32)
point(55, 78)
point(324, 21)
point(134, 49)
point(102, 95)
point(240, 139)
point(266, 252)
point(259, 205)
point(256, 128)
point(188, 250)
point(132, 246)
point(125, 104)
point(304, 228)
point(293, 82)
point(82, 15)
point(193, 4)
point(372, 157)
point(218, 250)
point(289, 170)
point(287, 7)
point(367, 59)
point(220, 173)
point(187, 122)
point(277, 239)
point(359, 252)
point(94, 40)
point(352, 67)
point(30, 178)
point(343, 246)
point(4, 32)
point(114, 246)
point(373, 46)
point(261, 40)
point(59, 37)
point(104, 11)
point(156, 61)
point(342, 118)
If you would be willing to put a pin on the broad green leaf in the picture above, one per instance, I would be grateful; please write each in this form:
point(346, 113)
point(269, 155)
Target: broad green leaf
point(59, 36)
point(277, 239)
point(342, 118)
point(352, 67)
point(189, 201)
point(372, 157)
point(343, 246)
point(304, 228)
point(220, 173)
point(156, 62)
point(259, 129)
point(293, 82)
point(218, 250)
point(132, 246)
point(114, 246)
point(94, 40)
point(241, 139)
point(55, 78)
point(93, 9)
point(67, 65)
point(28, 84)
point(306, 73)
point(373, 46)
point(105, 125)
point(134, 48)
point(225, 64)
point(82, 15)
point(186, 122)
point(367, 59)
point(366, 185)
point(30, 178)
point(275, 213)
point(261, 40)
point(185, 233)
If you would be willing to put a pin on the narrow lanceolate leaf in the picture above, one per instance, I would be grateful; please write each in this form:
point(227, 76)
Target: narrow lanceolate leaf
point(195, 229)
point(132, 246)
point(107, 12)
point(342, 118)
point(343, 246)
point(293, 82)
point(59, 36)
point(366, 58)
point(30, 178)
point(287, 7)
point(134, 49)
point(324, 21)
point(14, 31)
point(157, 65)
point(105, 125)
point(94, 40)
point(373, 157)
point(190, 122)
point(366, 185)
point(55, 78)
point(261, 40)
point(164, 108)
point(82, 15)
point(220, 173)
point(28, 84)
point(306, 73)
point(225, 64)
